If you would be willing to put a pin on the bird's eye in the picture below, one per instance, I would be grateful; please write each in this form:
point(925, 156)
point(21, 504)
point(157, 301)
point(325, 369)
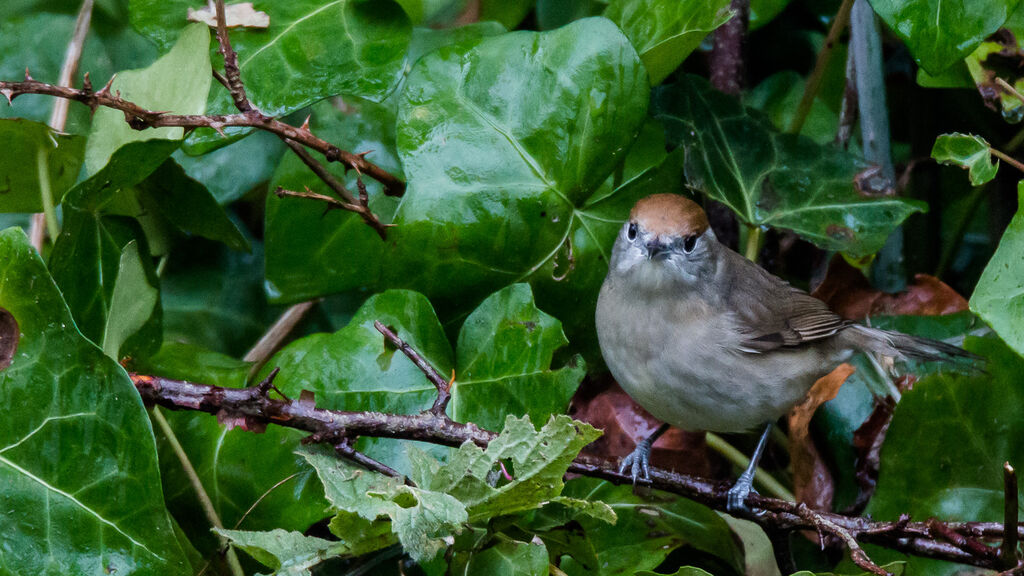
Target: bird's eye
point(631, 232)
point(689, 243)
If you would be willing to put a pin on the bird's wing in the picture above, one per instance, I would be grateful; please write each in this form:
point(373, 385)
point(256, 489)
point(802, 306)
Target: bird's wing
point(780, 315)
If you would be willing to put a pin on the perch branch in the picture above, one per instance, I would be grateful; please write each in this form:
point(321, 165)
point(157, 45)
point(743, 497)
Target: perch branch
point(254, 409)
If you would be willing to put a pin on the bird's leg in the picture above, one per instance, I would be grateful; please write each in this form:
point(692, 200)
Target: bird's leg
point(639, 460)
point(745, 484)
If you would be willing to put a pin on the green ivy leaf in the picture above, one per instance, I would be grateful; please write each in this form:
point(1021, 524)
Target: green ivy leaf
point(311, 50)
point(506, 557)
point(420, 518)
point(131, 303)
point(647, 531)
point(949, 437)
point(998, 298)
point(967, 151)
point(773, 179)
point(536, 460)
point(177, 82)
point(665, 32)
point(234, 170)
point(501, 182)
point(39, 151)
point(70, 506)
point(288, 553)
point(941, 33)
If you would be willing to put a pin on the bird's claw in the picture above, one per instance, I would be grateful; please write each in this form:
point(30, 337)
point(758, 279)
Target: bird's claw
point(638, 462)
point(737, 497)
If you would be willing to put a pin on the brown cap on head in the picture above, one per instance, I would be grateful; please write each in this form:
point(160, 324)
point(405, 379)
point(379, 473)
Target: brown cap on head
point(669, 214)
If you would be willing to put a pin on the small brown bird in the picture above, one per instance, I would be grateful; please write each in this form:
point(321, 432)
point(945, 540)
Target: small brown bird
point(705, 339)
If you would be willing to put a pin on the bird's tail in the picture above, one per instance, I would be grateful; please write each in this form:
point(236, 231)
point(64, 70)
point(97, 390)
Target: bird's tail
point(906, 347)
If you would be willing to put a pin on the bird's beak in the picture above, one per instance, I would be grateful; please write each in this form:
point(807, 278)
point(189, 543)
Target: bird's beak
point(657, 250)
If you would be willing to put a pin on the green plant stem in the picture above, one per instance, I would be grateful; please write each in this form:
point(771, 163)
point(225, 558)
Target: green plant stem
point(197, 485)
point(1007, 158)
point(766, 481)
point(753, 246)
point(824, 55)
point(46, 192)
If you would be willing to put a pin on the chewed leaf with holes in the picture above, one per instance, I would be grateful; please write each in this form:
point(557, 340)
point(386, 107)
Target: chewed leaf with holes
point(774, 179)
point(81, 488)
point(503, 141)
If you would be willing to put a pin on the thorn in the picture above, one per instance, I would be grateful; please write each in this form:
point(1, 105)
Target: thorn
point(218, 127)
point(363, 154)
point(105, 91)
point(305, 126)
point(86, 83)
point(9, 94)
point(28, 77)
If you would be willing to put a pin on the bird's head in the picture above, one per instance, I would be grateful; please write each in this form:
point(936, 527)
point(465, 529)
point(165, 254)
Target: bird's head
point(666, 240)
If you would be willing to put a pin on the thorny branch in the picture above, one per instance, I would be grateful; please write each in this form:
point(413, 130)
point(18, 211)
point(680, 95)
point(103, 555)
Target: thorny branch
point(253, 409)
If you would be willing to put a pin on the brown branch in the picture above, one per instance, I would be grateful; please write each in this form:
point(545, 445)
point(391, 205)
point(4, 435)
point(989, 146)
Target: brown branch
point(726, 62)
point(140, 118)
point(825, 526)
point(824, 55)
point(334, 204)
point(232, 74)
point(360, 206)
point(443, 386)
point(255, 409)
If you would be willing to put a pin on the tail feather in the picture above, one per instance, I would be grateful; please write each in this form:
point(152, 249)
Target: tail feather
point(905, 346)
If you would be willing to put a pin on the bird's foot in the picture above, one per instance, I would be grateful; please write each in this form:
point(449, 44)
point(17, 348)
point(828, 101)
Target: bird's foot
point(638, 462)
point(736, 500)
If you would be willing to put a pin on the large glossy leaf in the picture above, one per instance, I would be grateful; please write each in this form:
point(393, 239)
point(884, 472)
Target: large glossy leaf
point(232, 171)
point(940, 33)
point(311, 50)
point(998, 298)
point(177, 82)
point(502, 154)
point(78, 464)
point(950, 435)
point(774, 179)
point(664, 32)
point(35, 151)
point(647, 531)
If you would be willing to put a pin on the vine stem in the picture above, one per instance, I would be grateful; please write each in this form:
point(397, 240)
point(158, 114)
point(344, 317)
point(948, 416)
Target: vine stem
point(1007, 158)
point(824, 55)
point(197, 485)
point(753, 247)
point(767, 482)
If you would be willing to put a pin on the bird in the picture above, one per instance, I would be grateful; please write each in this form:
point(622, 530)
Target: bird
point(705, 339)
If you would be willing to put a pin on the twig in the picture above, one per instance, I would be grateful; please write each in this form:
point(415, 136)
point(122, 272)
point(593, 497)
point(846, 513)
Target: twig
point(335, 204)
point(46, 222)
point(360, 206)
point(1007, 158)
point(814, 80)
point(232, 74)
point(965, 543)
point(140, 118)
point(825, 526)
point(274, 337)
point(444, 387)
point(193, 477)
point(1009, 89)
point(1008, 549)
point(253, 406)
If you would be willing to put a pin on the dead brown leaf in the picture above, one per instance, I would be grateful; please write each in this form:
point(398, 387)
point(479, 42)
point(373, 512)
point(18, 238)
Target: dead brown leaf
point(849, 294)
point(812, 480)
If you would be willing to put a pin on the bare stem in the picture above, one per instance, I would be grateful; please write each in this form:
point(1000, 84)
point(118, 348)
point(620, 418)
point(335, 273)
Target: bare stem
point(274, 337)
point(193, 477)
point(814, 80)
point(1007, 158)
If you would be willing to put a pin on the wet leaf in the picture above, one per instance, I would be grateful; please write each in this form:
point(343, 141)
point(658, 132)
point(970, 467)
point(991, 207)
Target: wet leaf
point(941, 33)
point(34, 149)
point(998, 298)
point(773, 179)
point(70, 506)
point(665, 32)
point(969, 152)
point(177, 82)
